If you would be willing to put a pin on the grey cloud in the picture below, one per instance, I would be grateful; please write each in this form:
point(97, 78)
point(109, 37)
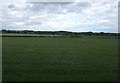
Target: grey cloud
point(52, 7)
point(78, 7)
point(33, 23)
point(57, 12)
point(58, 7)
point(11, 6)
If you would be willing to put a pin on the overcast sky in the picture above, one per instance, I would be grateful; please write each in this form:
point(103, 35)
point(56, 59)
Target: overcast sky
point(55, 16)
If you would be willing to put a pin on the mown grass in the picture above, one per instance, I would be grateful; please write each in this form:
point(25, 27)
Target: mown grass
point(59, 59)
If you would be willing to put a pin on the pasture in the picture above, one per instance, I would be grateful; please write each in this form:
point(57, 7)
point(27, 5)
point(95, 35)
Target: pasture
point(59, 59)
point(26, 35)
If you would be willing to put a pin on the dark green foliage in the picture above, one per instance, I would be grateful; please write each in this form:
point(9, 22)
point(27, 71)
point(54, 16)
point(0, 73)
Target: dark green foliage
point(64, 33)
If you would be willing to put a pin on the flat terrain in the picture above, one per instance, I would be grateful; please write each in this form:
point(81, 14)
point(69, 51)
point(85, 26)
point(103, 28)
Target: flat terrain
point(26, 35)
point(59, 59)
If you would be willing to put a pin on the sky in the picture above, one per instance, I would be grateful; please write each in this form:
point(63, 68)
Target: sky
point(61, 16)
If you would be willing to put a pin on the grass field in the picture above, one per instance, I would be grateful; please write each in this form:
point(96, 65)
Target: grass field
point(26, 35)
point(59, 59)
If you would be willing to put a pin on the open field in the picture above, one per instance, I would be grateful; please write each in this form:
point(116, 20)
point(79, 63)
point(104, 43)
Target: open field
point(26, 35)
point(59, 59)
point(48, 35)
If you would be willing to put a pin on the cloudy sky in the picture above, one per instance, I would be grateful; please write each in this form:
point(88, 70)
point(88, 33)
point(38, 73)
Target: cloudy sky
point(55, 16)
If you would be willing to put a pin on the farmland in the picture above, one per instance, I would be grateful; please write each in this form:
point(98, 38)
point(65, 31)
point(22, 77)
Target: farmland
point(59, 59)
point(27, 35)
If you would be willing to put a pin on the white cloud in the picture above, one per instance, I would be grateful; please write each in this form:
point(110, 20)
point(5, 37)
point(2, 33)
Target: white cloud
point(63, 24)
point(19, 23)
point(88, 16)
point(106, 27)
point(32, 17)
point(78, 16)
point(104, 20)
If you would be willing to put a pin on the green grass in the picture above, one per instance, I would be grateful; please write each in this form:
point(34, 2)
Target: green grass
point(59, 59)
point(16, 34)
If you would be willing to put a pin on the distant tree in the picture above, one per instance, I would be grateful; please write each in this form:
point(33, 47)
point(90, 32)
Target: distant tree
point(89, 33)
point(102, 33)
point(4, 30)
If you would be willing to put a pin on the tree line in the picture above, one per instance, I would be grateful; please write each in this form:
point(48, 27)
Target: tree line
point(64, 33)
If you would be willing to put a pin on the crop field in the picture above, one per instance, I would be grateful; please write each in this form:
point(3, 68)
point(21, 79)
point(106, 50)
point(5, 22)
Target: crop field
point(26, 35)
point(59, 59)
